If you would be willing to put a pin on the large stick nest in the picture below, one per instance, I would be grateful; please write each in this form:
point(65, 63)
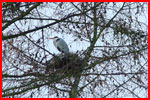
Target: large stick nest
point(70, 64)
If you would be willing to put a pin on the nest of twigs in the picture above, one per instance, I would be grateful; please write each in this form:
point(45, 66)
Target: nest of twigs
point(66, 64)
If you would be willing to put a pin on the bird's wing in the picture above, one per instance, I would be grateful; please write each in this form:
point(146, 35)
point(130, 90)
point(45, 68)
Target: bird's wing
point(63, 46)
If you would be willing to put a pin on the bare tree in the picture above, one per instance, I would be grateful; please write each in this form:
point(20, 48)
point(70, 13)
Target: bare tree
point(114, 65)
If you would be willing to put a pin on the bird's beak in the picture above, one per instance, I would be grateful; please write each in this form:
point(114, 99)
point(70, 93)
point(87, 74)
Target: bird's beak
point(51, 38)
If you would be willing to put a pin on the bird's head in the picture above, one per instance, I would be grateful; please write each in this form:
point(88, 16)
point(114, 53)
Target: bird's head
point(56, 37)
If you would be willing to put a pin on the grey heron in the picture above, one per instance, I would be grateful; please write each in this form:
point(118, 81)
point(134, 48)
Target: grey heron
point(60, 44)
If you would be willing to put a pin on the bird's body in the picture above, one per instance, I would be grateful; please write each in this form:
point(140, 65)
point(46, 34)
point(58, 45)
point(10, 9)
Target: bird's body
point(60, 44)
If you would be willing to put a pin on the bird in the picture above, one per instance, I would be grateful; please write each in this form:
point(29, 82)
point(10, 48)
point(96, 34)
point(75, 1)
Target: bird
point(60, 44)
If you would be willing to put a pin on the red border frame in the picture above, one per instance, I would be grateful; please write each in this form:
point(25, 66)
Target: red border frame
point(75, 0)
point(1, 46)
point(148, 48)
point(72, 1)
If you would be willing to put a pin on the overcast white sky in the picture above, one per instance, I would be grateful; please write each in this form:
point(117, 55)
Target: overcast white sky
point(74, 46)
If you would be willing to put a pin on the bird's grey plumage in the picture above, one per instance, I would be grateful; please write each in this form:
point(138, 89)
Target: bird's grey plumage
point(61, 45)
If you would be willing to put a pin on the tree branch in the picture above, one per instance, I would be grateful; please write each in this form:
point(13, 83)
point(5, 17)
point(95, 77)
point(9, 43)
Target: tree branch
point(45, 26)
point(21, 16)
